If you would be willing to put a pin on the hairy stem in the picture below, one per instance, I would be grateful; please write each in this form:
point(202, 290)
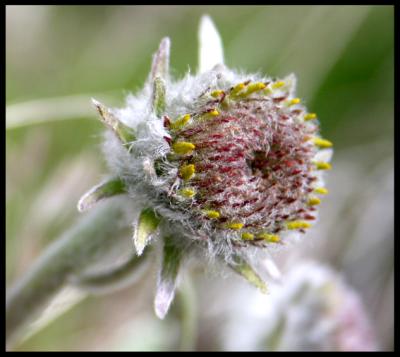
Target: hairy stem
point(90, 239)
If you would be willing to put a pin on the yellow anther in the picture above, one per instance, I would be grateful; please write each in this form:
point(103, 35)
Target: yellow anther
point(271, 238)
point(217, 93)
point(322, 143)
point(213, 113)
point(181, 122)
point(322, 165)
point(253, 87)
point(209, 114)
point(259, 86)
point(321, 190)
point(212, 214)
point(247, 236)
point(183, 147)
point(294, 101)
point(237, 88)
point(310, 116)
point(277, 84)
point(235, 225)
point(187, 192)
point(297, 225)
point(187, 171)
point(313, 201)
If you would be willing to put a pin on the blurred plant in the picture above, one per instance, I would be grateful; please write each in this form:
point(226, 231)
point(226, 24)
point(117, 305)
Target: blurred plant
point(313, 309)
point(206, 172)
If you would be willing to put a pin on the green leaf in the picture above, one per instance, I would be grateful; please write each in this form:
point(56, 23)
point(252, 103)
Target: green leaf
point(145, 227)
point(167, 281)
point(242, 267)
point(97, 193)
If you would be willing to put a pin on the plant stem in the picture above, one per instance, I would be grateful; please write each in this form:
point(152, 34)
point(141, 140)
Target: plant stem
point(189, 316)
point(90, 239)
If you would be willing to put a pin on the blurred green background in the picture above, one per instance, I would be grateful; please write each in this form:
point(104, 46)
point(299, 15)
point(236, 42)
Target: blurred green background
point(58, 57)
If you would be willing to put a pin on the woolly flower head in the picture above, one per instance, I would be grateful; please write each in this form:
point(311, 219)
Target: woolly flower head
point(223, 161)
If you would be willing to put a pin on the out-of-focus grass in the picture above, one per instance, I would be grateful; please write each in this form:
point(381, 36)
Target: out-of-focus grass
point(343, 57)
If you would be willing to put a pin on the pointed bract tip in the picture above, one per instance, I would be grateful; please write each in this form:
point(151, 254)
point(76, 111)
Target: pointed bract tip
point(99, 192)
point(95, 102)
point(210, 45)
point(125, 133)
point(145, 227)
point(139, 249)
point(164, 297)
point(207, 22)
point(100, 107)
point(165, 44)
point(160, 65)
point(243, 268)
point(82, 206)
point(291, 83)
point(168, 276)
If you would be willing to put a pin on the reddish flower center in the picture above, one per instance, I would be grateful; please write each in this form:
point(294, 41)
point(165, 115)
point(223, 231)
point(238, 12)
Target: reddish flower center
point(252, 165)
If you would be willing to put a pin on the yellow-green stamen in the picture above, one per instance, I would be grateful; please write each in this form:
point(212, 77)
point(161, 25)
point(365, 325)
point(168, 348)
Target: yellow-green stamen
point(297, 225)
point(183, 147)
point(247, 236)
point(212, 214)
point(187, 171)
